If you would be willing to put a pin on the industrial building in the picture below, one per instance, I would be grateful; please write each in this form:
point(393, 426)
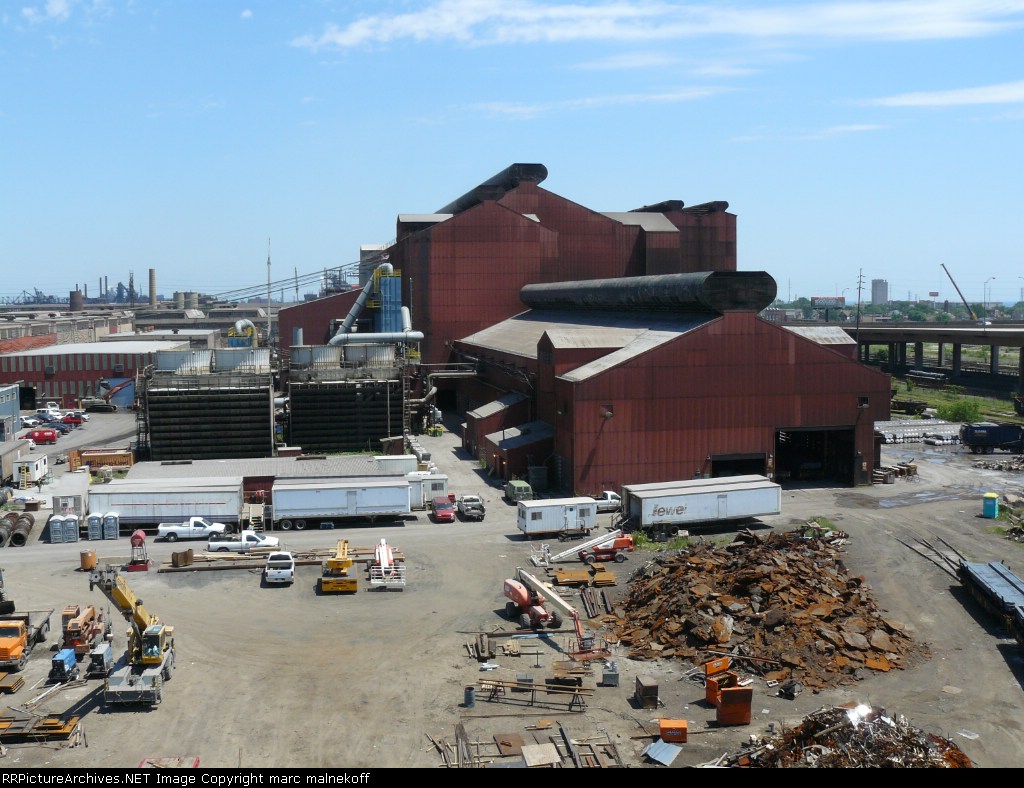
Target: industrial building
point(70, 372)
point(587, 349)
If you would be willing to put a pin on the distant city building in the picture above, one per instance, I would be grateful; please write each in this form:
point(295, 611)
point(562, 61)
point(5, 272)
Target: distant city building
point(879, 292)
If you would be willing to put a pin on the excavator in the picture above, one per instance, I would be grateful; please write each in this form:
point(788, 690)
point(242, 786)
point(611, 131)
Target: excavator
point(150, 655)
point(102, 403)
point(528, 598)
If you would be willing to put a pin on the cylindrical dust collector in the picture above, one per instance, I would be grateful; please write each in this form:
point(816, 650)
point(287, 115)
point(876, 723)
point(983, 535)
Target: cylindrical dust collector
point(76, 302)
point(192, 300)
point(179, 300)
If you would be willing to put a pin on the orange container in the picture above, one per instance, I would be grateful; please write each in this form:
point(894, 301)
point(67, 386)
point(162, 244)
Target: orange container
point(734, 706)
point(713, 685)
point(673, 730)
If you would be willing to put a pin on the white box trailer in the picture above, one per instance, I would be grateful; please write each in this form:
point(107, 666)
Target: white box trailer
point(664, 508)
point(425, 486)
point(10, 452)
point(28, 471)
point(566, 518)
point(145, 503)
point(316, 503)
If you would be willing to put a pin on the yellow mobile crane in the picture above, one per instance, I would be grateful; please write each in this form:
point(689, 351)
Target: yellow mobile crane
point(150, 655)
point(971, 312)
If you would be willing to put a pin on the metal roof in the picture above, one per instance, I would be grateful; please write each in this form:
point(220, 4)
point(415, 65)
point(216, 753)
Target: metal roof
point(830, 335)
point(496, 406)
point(523, 435)
point(362, 481)
point(651, 222)
point(520, 334)
point(277, 467)
point(84, 348)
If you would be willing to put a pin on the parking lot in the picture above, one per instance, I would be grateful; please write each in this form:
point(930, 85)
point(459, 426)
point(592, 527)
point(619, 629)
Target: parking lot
point(285, 677)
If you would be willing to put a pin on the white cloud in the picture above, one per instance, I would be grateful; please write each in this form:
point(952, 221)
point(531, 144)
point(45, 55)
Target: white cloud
point(524, 111)
point(842, 130)
point(1006, 93)
point(488, 22)
point(51, 11)
point(247, 14)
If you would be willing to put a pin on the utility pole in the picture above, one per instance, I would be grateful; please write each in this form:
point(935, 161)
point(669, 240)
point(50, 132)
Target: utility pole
point(268, 292)
point(856, 335)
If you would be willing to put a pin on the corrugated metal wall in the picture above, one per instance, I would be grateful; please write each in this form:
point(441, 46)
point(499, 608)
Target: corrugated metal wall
point(344, 415)
point(724, 389)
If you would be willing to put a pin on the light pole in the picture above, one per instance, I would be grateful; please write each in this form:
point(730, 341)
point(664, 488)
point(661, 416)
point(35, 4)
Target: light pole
point(984, 293)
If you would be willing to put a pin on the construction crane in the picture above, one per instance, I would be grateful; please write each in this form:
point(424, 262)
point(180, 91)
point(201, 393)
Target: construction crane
point(970, 311)
point(528, 596)
point(150, 654)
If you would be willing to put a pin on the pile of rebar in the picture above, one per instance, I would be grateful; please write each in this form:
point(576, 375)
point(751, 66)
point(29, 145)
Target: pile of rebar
point(782, 605)
point(842, 737)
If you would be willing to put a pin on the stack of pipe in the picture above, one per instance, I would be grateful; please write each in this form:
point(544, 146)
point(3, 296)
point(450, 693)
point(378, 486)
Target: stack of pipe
point(22, 528)
point(6, 526)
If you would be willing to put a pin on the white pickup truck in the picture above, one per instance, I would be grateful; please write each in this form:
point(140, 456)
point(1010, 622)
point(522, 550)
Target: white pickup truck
point(280, 569)
point(192, 528)
point(245, 542)
point(608, 501)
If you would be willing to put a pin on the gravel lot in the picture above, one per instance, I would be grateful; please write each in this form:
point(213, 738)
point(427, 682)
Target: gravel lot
point(284, 677)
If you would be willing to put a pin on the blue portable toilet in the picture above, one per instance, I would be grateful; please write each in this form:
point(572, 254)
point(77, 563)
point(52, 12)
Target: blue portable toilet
point(56, 526)
point(94, 524)
point(990, 506)
point(111, 525)
point(71, 528)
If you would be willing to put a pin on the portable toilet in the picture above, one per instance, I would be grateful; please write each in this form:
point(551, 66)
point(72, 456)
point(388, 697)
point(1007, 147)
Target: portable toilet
point(94, 524)
point(56, 526)
point(111, 525)
point(990, 506)
point(71, 526)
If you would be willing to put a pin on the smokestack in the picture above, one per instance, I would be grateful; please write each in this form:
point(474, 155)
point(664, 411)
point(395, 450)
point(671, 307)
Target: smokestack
point(152, 287)
point(101, 288)
point(106, 288)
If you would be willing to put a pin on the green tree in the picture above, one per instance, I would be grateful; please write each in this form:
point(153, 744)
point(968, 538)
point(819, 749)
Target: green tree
point(965, 410)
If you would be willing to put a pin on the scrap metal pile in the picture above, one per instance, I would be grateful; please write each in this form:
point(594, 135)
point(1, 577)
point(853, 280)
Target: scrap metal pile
point(781, 605)
point(841, 738)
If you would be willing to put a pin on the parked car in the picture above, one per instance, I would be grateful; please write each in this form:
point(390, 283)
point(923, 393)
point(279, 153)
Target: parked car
point(31, 443)
point(30, 421)
point(84, 416)
point(72, 419)
point(60, 426)
point(280, 568)
point(443, 510)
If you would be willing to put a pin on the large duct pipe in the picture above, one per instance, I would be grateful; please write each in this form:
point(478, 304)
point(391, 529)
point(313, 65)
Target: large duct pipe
point(369, 339)
point(297, 335)
point(152, 287)
point(706, 291)
point(495, 187)
point(350, 319)
point(406, 319)
point(22, 528)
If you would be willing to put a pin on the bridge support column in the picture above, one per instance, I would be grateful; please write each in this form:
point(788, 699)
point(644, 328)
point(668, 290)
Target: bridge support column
point(918, 355)
point(993, 359)
point(957, 348)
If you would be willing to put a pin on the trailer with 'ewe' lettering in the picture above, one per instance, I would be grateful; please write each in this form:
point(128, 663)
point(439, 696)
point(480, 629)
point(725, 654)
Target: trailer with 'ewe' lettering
point(663, 509)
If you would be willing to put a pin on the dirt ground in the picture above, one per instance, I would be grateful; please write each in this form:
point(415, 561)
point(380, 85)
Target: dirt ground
point(284, 677)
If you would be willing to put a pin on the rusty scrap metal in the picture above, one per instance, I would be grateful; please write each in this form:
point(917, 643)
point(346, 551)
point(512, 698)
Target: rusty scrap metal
point(784, 603)
point(840, 737)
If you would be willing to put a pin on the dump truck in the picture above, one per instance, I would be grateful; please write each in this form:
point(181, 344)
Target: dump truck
point(19, 634)
point(663, 509)
point(984, 437)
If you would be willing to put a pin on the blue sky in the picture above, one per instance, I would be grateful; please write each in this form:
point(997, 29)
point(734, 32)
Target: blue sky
point(853, 140)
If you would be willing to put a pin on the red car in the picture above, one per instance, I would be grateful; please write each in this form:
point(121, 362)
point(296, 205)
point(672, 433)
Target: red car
point(72, 418)
point(443, 509)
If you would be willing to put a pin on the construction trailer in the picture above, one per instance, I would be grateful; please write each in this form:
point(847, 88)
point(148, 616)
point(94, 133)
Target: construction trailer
point(29, 470)
point(10, 452)
point(325, 502)
point(663, 509)
point(145, 503)
point(565, 518)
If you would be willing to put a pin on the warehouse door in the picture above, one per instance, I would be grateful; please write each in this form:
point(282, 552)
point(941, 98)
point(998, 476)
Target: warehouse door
point(815, 455)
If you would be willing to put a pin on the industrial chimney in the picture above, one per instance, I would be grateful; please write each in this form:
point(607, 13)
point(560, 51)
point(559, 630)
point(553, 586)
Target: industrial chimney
point(152, 287)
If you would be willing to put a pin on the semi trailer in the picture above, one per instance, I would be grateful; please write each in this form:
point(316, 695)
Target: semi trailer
point(146, 503)
point(663, 509)
point(320, 503)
